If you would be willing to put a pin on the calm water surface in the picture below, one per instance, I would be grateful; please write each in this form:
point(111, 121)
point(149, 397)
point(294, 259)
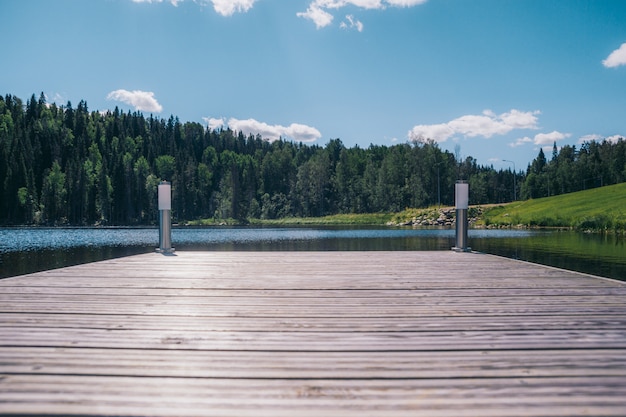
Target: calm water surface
point(25, 250)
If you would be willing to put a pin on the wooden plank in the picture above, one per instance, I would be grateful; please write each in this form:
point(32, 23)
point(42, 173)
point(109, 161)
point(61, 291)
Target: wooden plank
point(391, 312)
point(254, 364)
point(321, 301)
point(314, 324)
point(128, 292)
point(231, 397)
point(316, 283)
point(310, 333)
point(317, 342)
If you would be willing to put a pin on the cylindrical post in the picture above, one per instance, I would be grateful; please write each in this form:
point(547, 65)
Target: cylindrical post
point(165, 217)
point(461, 194)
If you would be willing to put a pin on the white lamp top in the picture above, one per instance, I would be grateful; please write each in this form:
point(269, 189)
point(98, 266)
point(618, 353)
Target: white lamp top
point(165, 196)
point(461, 194)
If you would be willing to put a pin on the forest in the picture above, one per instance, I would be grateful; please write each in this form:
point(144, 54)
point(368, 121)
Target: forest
point(61, 165)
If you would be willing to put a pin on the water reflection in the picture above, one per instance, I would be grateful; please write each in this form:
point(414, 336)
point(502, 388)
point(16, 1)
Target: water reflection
point(603, 255)
point(25, 250)
point(25, 262)
point(313, 239)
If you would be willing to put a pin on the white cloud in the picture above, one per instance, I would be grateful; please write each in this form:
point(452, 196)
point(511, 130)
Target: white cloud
point(485, 125)
point(223, 7)
point(405, 3)
point(173, 2)
point(318, 10)
point(520, 120)
point(550, 138)
point(351, 23)
point(301, 133)
point(521, 142)
point(615, 138)
point(541, 139)
point(213, 123)
point(616, 58)
point(140, 100)
point(229, 7)
point(366, 4)
point(320, 17)
point(589, 138)
point(57, 98)
point(295, 131)
point(439, 133)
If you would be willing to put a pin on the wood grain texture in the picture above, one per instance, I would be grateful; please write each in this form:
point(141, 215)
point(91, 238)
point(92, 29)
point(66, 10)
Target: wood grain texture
point(310, 334)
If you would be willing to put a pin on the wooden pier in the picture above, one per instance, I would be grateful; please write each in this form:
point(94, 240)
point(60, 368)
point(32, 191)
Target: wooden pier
point(312, 334)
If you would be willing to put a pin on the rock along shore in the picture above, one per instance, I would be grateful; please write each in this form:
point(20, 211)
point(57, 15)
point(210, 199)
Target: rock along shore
point(443, 217)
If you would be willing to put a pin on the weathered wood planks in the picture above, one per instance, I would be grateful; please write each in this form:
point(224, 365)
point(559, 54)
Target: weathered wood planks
point(312, 333)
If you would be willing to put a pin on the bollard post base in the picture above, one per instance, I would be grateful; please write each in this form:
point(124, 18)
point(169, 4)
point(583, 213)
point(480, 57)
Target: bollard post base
point(455, 249)
point(169, 251)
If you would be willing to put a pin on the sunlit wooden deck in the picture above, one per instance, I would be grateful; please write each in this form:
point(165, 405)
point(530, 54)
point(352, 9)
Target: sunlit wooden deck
point(312, 334)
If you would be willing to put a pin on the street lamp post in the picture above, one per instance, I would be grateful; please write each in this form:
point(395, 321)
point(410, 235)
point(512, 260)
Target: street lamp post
point(461, 199)
point(165, 218)
point(514, 175)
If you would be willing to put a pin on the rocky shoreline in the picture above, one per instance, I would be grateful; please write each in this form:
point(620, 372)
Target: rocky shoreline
point(443, 217)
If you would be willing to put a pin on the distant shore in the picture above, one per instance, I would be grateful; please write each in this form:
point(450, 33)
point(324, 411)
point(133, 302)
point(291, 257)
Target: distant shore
point(597, 210)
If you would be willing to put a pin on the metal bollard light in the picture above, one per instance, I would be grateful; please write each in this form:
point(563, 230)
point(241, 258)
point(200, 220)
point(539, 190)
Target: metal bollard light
point(165, 218)
point(461, 194)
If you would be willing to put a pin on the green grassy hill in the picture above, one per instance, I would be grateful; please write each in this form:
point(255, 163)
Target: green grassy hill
point(597, 209)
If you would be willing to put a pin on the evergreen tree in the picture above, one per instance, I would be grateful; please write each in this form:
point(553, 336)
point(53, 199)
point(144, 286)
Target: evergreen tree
point(53, 195)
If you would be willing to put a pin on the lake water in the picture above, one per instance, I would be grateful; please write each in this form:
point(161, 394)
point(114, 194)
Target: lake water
point(25, 250)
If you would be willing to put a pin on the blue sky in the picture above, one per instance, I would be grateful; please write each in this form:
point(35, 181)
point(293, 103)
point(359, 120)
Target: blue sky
point(492, 79)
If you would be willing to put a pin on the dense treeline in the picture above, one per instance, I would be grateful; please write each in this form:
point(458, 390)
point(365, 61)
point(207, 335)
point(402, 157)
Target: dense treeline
point(593, 165)
point(65, 165)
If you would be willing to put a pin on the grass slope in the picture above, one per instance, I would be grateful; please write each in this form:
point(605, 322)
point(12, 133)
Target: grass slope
point(597, 209)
